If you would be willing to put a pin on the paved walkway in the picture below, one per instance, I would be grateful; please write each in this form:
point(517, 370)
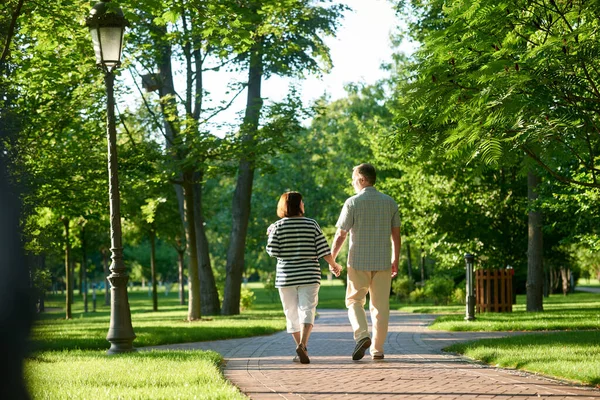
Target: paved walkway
point(414, 366)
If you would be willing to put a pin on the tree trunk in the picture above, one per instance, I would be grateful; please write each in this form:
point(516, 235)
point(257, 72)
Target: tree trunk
point(153, 269)
point(564, 274)
point(106, 273)
point(194, 310)
point(208, 287)
point(243, 189)
point(535, 266)
point(83, 271)
point(180, 254)
point(408, 261)
point(42, 297)
point(69, 292)
point(422, 267)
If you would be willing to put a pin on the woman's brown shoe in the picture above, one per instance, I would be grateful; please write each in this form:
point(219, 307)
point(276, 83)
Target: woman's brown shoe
point(302, 354)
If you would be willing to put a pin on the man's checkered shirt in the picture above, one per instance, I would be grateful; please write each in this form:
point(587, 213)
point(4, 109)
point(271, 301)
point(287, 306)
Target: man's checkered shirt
point(369, 216)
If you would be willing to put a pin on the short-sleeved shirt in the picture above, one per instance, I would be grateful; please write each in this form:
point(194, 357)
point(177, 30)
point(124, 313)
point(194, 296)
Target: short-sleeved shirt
point(298, 243)
point(369, 216)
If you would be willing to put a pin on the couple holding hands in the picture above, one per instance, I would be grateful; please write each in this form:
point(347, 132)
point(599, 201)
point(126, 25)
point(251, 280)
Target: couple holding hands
point(371, 218)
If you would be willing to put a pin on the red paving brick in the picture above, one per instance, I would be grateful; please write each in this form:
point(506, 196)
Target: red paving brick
point(414, 366)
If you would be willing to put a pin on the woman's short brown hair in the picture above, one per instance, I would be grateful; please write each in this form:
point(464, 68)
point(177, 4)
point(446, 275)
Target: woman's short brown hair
point(289, 205)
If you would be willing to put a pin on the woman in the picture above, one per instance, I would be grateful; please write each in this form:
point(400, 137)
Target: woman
point(298, 243)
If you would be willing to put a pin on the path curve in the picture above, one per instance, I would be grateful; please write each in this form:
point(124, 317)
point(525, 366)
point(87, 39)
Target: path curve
point(414, 366)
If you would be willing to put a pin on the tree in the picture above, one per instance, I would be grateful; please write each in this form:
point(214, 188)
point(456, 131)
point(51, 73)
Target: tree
point(285, 39)
point(499, 81)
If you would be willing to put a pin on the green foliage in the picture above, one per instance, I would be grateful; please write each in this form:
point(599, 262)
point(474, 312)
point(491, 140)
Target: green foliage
point(440, 289)
point(269, 285)
point(459, 295)
point(247, 298)
point(495, 80)
point(418, 295)
point(402, 286)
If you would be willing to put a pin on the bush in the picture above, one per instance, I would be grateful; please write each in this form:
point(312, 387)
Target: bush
point(402, 286)
point(417, 295)
point(459, 295)
point(247, 298)
point(439, 289)
point(269, 282)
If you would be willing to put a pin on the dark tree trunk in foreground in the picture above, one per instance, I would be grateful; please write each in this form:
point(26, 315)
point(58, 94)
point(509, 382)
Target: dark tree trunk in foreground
point(16, 298)
point(535, 266)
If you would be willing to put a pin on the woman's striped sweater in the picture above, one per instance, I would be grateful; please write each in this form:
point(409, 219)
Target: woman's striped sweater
point(298, 243)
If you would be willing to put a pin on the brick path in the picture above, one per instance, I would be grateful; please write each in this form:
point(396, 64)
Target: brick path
point(414, 366)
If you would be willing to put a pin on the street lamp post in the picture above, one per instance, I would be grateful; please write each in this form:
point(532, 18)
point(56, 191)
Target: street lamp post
point(107, 26)
point(470, 311)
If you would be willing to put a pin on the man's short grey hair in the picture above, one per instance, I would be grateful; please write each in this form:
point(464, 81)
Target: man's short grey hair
point(367, 171)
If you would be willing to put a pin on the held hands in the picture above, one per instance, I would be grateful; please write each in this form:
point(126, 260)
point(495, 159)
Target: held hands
point(336, 269)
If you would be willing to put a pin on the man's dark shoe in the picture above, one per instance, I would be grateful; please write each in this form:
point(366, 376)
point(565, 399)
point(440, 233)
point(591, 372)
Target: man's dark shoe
point(362, 346)
point(302, 354)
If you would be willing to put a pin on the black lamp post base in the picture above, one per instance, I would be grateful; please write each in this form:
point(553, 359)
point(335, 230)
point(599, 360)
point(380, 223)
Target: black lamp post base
point(121, 346)
point(470, 308)
point(120, 333)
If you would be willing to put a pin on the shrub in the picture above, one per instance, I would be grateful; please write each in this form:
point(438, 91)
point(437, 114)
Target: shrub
point(247, 298)
point(459, 295)
point(402, 286)
point(439, 289)
point(269, 282)
point(417, 295)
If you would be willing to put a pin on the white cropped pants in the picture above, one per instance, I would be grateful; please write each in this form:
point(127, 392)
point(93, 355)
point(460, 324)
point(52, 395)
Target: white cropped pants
point(299, 305)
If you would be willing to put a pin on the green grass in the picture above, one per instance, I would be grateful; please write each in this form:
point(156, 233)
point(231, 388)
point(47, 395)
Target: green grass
point(577, 311)
point(588, 282)
point(87, 331)
point(573, 356)
point(143, 375)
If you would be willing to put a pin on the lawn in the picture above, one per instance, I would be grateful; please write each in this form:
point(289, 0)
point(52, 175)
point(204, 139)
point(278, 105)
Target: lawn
point(70, 361)
point(566, 342)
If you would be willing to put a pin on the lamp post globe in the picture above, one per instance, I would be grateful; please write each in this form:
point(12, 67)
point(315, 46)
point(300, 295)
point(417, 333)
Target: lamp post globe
point(107, 26)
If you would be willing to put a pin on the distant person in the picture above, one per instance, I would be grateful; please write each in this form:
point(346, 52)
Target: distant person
point(372, 220)
point(298, 242)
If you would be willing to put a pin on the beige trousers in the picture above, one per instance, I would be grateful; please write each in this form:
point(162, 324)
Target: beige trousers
point(377, 284)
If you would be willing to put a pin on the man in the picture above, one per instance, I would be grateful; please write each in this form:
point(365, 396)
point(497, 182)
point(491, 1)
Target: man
point(372, 219)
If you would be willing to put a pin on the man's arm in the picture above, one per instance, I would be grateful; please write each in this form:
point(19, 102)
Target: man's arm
point(338, 241)
point(396, 244)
